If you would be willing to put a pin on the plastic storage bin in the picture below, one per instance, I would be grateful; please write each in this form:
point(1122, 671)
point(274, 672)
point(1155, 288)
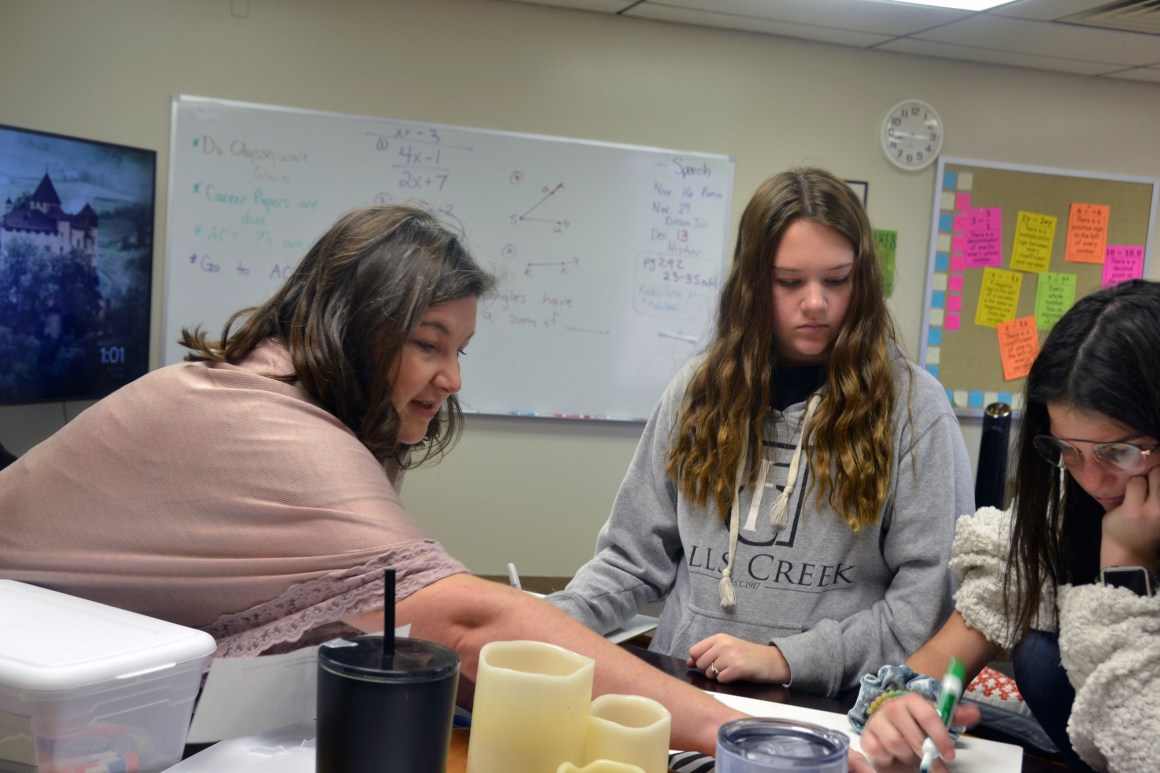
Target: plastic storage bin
point(88, 688)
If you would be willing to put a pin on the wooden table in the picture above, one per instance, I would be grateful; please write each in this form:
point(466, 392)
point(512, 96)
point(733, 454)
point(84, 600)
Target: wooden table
point(1033, 760)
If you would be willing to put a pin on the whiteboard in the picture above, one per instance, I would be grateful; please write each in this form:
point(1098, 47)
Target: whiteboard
point(609, 256)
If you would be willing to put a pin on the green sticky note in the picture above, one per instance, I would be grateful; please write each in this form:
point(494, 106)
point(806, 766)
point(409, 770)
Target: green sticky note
point(1054, 295)
point(886, 243)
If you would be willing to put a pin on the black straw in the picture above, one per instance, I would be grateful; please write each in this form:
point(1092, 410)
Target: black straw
point(388, 618)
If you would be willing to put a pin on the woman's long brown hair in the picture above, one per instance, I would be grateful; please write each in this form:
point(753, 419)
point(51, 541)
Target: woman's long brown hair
point(346, 312)
point(726, 402)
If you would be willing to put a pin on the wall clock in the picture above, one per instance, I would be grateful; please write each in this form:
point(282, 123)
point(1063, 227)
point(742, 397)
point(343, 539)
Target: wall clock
point(912, 134)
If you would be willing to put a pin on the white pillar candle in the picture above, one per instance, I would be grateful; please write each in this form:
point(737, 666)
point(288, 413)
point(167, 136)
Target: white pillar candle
point(630, 729)
point(600, 766)
point(531, 708)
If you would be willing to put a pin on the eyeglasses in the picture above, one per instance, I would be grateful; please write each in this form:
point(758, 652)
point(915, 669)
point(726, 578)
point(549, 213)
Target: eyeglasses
point(1125, 457)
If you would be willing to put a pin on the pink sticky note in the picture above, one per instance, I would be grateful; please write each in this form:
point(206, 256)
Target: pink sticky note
point(962, 201)
point(1122, 262)
point(955, 283)
point(951, 322)
point(959, 223)
point(959, 243)
point(983, 237)
point(958, 263)
point(954, 303)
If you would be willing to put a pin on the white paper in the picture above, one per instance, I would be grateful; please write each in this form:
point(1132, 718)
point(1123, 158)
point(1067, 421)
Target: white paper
point(972, 755)
point(249, 696)
point(287, 750)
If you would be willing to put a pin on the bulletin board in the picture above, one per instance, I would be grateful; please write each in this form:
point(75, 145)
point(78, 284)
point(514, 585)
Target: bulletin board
point(609, 256)
point(1012, 248)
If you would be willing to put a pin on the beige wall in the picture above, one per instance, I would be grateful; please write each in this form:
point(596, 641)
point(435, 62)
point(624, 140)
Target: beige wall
point(525, 490)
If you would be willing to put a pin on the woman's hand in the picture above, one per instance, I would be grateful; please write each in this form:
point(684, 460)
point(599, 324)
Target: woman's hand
point(1131, 532)
point(893, 737)
point(729, 659)
point(858, 763)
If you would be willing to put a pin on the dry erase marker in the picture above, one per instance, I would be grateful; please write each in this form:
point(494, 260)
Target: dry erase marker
point(514, 577)
point(948, 698)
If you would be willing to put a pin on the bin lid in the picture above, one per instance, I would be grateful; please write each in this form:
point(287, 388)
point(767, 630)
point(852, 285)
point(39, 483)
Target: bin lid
point(53, 641)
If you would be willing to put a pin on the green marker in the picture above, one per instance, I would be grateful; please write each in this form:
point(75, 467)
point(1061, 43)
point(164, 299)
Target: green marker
point(952, 690)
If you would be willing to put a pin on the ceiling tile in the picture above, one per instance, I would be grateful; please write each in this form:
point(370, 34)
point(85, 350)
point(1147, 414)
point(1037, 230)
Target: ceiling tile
point(1047, 39)
point(1143, 74)
point(990, 56)
point(1024, 33)
point(602, 6)
point(883, 18)
point(815, 33)
point(1046, 10)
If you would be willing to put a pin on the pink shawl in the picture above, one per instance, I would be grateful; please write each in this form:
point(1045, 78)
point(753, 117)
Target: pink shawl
point(217, 498)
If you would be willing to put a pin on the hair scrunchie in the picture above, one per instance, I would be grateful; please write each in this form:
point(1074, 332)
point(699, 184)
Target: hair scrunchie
point(874, 689)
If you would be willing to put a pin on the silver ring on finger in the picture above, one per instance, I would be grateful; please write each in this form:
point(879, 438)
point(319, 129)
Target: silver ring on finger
point(713, 670)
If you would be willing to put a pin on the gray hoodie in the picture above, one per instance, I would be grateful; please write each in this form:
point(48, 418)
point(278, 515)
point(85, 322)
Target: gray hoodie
point(838, 603)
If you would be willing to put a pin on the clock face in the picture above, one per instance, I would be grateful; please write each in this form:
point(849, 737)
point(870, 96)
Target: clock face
point(912, 134)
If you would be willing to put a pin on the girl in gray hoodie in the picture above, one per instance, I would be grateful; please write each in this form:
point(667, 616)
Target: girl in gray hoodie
point(794, 494)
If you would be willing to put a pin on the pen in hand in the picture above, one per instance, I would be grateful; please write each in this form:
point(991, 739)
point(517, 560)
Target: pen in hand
point(514, 577)
point(948, 699)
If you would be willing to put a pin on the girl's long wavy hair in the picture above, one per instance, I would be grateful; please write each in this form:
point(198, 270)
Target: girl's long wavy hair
point(1102, 356)
point(727, 400)
point(346, 312)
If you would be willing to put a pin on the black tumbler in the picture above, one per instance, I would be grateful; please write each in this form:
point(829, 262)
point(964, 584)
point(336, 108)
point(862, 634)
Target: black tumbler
point(380, 712)
point(991, 476)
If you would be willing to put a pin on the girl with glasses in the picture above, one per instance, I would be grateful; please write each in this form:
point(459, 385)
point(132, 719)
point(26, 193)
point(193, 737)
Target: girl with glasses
point(1064, 580)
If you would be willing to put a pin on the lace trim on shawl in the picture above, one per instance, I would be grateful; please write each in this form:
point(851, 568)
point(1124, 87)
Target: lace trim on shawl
point(312, 612)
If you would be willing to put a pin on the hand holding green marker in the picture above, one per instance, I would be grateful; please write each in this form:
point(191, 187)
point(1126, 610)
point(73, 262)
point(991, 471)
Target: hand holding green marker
point(948, 698)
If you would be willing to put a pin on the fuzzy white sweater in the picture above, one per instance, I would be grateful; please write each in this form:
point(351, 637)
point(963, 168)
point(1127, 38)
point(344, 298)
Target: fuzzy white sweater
point(1109, 641)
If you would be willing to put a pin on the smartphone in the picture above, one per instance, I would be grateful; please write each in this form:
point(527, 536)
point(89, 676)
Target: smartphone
point(1134, 578)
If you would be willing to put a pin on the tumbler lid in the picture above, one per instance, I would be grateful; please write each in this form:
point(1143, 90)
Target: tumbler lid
point(415, 660)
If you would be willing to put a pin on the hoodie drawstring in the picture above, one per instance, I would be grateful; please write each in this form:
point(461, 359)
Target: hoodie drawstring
point(728, 596)
point(778, 515)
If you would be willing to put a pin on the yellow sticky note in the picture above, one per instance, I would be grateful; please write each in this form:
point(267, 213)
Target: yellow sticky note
point(998, 296)
point(1034, 235)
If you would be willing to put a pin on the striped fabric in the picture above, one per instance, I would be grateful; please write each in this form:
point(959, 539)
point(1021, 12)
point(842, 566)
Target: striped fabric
point(691, 762)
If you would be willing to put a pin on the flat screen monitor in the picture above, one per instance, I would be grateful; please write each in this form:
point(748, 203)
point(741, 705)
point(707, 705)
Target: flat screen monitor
point(76, 265)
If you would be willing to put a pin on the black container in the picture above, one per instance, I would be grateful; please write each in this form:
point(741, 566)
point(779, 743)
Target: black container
point(377, 715)
point(991, 476)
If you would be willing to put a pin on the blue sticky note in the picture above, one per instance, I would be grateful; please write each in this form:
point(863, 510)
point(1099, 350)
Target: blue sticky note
point(950, 180)
point(1005, 397)
point(932, 370)
point(946, 222)
point(938, 299)
point(975, 399)
point(934, 337)
point(950, 396)
point(942, 261)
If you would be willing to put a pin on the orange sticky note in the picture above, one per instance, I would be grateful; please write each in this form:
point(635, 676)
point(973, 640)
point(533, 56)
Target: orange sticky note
point(1018, 346)
point(1087, 233)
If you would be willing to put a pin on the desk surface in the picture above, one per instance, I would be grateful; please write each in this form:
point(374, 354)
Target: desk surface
point(1033, 760)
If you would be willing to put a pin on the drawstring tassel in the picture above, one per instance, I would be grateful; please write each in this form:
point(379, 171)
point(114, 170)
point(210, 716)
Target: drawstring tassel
point(779, 514)
point(725, 587)
point(728, 595)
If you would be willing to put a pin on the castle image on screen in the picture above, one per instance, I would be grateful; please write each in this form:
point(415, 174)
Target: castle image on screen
point(76, 265)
